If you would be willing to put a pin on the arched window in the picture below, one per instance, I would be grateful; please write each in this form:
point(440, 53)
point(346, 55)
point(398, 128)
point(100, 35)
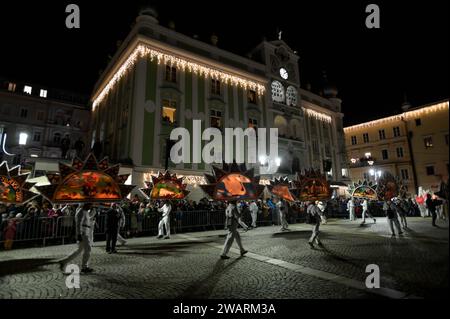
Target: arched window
point(277, 92)
point(291, 96)
point(281, 124)
point(57, 138)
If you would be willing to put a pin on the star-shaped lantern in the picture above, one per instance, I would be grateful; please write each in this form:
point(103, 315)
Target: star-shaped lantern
point(281, 187)
point(232, 182)
point(165, 186)
point(312, 185)
point(389, 186)
point(86, 182)
point(364, 189)
point(14, 188)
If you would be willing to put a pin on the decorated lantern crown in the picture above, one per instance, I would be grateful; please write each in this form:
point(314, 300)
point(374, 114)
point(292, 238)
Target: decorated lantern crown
point(281, 187)
point(364, 190)
point(14, 189)
point(389, 187)
point(312, 185)
point(86, 181)
point(232, 182)
point(165, 186)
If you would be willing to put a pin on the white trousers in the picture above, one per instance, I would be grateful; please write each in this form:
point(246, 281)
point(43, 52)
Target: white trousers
point(391, 223)
point(351, 214)
point(254, 217)
point(165, 221)
point(369, 215)
point(232, 235)
point(315, 234)
point(120, 239)
point(84, 247)
point(283, 221)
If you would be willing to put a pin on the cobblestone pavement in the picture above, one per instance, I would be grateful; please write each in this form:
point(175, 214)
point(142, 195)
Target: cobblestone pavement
point(279, 265)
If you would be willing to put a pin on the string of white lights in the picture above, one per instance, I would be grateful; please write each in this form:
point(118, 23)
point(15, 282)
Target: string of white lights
point(317, 115)
point(143, 50)
point(406, 115)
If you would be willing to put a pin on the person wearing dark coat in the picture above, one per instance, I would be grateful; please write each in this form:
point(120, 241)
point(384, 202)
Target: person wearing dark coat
point(113, 220)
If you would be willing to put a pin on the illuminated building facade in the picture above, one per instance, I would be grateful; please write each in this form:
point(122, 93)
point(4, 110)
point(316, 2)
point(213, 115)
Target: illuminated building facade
point(160, 79)
point(34, 121)
point(412, 145)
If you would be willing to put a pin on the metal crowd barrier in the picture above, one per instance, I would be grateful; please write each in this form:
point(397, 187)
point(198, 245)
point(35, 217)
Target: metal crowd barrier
point(62, 229)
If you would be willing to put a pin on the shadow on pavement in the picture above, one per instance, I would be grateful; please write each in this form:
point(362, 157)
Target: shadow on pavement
point(163, 249)
point(18, 266)
point(204, 287)
point(293, 234)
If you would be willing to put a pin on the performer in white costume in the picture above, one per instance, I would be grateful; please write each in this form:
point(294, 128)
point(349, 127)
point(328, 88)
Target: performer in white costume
point(165, 221)
point(85, 220)
point(351, 209)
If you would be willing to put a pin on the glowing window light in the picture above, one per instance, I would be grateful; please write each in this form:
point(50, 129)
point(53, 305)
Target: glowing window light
point(23, 138)
point(142, 51)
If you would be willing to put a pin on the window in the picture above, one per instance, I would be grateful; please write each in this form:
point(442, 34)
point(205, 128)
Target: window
point(43, 93)
point(56, 138)
point(216, 119)
point(366, 137)
point(251, 97)
point(277, 92)
point(430, 169)
point(354, 141)
point(382, 134)
point(23, 113)
point(291, 96)
point(171, 74)
point(253, 123)
point(418, 122)
point(23, 138)
point(169, 111)
point(37, 137)
point(27, 89)
point(399, 152)
point(315, 145)
point(396, 131)
point(40, 116)
point(428, 142)
point(404, 173)
point(446, 139)
point(11, 87)
point(215, 87)
point(384, 154)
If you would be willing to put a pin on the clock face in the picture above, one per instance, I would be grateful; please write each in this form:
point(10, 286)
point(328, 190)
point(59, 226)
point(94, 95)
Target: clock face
point(283, 73)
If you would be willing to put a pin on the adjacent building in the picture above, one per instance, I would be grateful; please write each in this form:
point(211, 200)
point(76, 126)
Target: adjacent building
point(412, 145)
point(160, 79)
point(40, 124)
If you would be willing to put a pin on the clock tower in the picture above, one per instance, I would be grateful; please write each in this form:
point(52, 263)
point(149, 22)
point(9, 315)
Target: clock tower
point(283, 107)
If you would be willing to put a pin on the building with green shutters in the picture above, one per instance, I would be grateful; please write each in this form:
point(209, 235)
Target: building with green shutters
point(160, 79)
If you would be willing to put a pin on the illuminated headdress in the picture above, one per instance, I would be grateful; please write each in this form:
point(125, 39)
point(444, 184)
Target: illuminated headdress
point(232, 182)
point(281, 187)
point(363, 189)
point(85, 182)
point(312, 185)
point(14, 188)
point(390, 186)
point(165, 186)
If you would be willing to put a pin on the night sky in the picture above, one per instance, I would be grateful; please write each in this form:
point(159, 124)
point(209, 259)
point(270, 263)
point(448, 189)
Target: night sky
point(372, 68)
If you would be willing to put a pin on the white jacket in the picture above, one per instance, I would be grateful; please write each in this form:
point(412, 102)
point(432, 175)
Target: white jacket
point(166, 209)
point(84, 220)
